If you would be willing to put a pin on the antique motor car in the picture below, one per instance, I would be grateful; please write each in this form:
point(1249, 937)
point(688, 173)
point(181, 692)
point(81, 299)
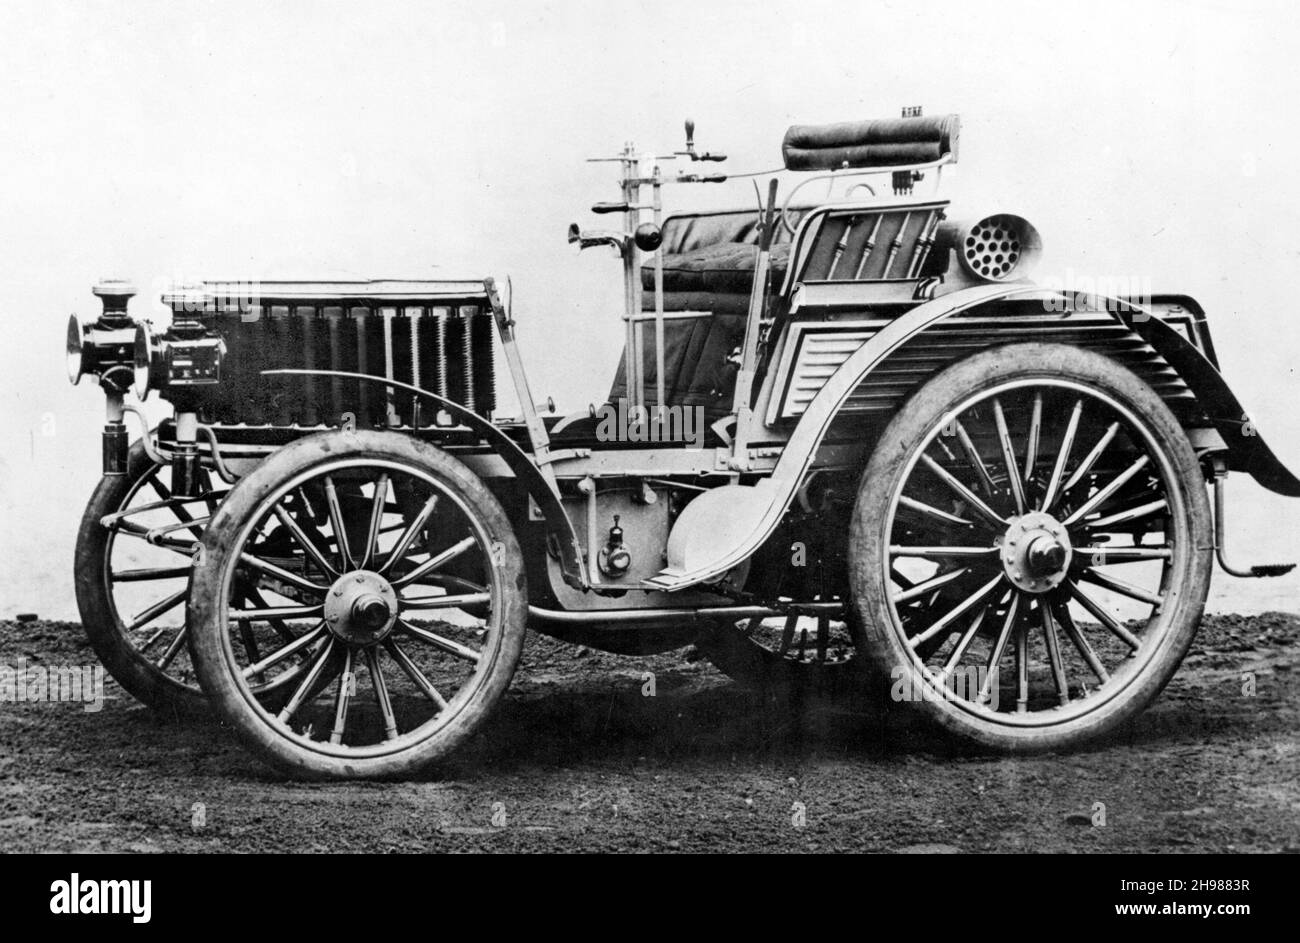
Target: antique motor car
point(850, 446)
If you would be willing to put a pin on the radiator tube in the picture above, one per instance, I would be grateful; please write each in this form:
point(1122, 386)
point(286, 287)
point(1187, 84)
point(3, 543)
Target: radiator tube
point(364, 419)
point(467, 355)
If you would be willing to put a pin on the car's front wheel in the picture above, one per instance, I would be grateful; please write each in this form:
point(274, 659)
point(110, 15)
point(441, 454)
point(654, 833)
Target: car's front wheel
point(392, 571)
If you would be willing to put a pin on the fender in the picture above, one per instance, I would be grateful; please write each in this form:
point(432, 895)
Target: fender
point(724, 526)
point(1247, 450)
point(541, 489)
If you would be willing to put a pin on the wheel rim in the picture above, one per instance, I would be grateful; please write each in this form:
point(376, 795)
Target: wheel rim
point(358, 608)
point(147, 571)
point(1035, 543)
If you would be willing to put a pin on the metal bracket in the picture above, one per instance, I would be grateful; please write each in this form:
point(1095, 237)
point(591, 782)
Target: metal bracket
point(549, 457)
point(720, 430)
point(1220, 498)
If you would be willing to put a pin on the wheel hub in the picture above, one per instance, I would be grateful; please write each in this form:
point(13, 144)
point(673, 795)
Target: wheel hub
point(1036, 552)
point(361, 608)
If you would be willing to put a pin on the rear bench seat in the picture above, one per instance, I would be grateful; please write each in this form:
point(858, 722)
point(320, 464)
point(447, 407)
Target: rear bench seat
point(708, 266)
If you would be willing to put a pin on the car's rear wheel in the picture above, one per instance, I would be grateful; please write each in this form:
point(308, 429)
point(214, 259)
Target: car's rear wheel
point(1030, 548)
point(133, 564)
point(135, 555)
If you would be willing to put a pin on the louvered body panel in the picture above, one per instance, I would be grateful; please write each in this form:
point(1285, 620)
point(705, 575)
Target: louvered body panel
point(818, 349)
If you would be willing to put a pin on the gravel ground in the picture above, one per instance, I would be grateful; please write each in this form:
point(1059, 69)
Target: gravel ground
point(577, 759)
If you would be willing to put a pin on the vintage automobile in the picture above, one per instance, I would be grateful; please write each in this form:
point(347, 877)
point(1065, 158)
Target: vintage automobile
point(849, 441)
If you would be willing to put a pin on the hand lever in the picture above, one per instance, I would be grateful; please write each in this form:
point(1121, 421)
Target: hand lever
point(609, 208)
point(587, 238)
point(690, 145)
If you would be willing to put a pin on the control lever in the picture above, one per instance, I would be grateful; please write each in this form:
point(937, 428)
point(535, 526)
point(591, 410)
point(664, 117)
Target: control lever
point(691, 153)
point(647, 237)
point(588, 238)
point(610, 208)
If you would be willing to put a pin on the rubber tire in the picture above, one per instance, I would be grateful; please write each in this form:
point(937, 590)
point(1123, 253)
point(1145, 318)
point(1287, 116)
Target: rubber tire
point(867, 542)
point(137, 675)
point(209, 647)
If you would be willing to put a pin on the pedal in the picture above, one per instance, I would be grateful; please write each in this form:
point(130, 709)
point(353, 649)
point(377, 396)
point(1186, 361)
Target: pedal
point(1272, 569)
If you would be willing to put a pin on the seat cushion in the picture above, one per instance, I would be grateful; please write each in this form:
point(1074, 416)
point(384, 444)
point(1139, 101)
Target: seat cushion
point(721, 269)
point(889, 142)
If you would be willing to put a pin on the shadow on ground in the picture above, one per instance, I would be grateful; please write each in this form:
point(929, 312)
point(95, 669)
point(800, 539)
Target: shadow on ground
point(579, 758)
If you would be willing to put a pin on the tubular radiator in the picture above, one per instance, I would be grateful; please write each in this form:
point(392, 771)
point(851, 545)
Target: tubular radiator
point(445, 348)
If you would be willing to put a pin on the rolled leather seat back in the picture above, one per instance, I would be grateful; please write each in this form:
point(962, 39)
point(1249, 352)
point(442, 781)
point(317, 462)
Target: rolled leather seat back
point(888, 142)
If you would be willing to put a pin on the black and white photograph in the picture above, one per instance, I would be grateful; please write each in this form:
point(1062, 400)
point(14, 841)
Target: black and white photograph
point(654, 427)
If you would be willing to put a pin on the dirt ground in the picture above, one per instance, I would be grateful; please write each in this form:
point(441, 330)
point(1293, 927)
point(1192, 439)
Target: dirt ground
point(578, 759)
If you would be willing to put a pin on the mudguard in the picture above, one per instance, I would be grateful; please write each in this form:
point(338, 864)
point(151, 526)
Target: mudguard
point(722, 527)
point(519, 461)
point(1247, 450)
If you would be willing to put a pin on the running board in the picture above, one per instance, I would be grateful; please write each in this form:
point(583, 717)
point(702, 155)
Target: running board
point(1255, 572)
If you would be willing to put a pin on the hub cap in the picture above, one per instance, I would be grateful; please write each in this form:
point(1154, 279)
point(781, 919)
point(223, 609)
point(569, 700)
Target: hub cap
point(361, 608)
point(1036, 552)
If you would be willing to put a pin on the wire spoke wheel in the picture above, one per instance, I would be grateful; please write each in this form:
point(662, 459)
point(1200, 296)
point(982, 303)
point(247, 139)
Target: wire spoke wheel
point(393, 584)
point(1035, 560)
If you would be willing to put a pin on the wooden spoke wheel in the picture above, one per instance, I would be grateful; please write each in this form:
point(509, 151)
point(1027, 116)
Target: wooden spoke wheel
point(400, 580)
point(135, 552)
point(133, 564)
point(1030, 549)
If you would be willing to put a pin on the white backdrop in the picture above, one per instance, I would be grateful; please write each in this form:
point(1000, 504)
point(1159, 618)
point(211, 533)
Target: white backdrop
point(258, 140)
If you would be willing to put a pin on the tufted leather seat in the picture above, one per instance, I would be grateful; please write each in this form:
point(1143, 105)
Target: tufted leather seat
point(724, 269)
point(708, 266)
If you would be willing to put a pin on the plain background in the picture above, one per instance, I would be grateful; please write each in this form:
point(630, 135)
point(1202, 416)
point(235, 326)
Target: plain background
point(1151, 142)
